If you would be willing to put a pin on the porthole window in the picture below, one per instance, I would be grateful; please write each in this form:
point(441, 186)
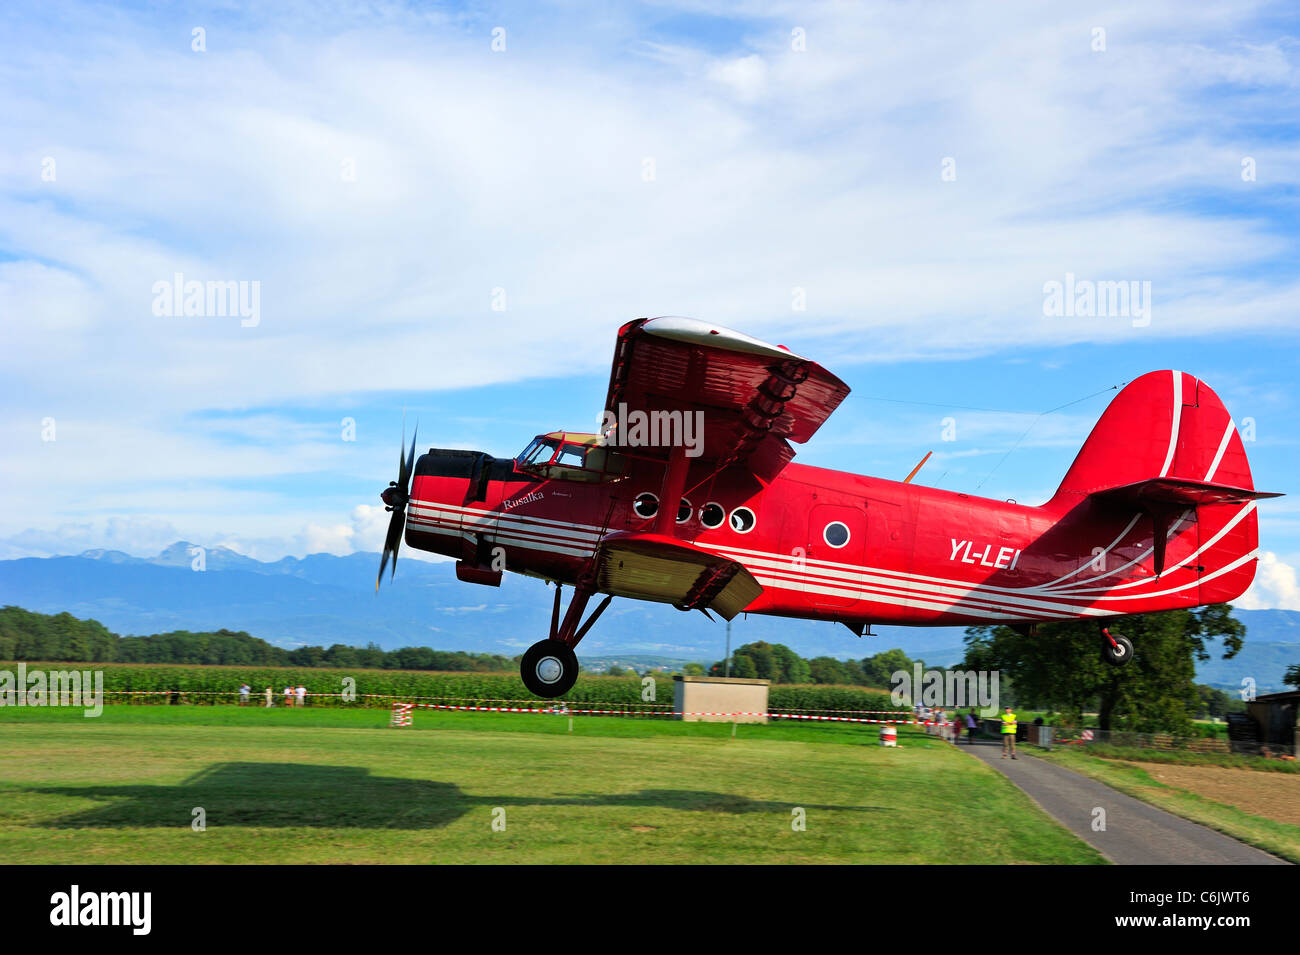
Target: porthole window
point(712, 515)
point(836, 534)
point(646, 505)
point(683, 511)
point(742, 520)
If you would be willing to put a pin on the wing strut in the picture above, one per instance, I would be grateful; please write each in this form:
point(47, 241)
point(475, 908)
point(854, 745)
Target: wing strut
point(670, 494)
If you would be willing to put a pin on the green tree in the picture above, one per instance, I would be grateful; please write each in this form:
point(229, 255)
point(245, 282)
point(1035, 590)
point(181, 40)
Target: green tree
point(854, 673)
point(765, 661)
point(827, 670)
point(879, 669)
point(791, 668)
point(1060, 667)
point(741, 666)
point(25, 635)
point(341, 655)
point(1213, 703)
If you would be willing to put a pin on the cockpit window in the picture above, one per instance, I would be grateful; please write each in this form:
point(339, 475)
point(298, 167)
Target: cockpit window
point(539, 452)
point(572, 455)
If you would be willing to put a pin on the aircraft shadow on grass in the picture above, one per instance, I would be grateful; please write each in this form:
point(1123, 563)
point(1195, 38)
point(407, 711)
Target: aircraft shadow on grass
point(288, 795)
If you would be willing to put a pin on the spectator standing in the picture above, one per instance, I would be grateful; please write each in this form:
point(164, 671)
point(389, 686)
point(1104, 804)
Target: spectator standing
point(301, 693)
point(270, 699)
point(1008, 733)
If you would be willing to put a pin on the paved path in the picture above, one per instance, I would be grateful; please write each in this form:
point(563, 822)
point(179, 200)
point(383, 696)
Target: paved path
point(1136, 833)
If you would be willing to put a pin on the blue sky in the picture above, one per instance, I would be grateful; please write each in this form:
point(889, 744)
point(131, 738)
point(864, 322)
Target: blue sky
point(915, 174)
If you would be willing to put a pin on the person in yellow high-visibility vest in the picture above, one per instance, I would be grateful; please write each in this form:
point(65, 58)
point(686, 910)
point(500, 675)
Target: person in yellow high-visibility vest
point(1008, 733)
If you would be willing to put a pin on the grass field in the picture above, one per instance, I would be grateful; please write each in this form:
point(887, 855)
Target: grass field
point(340, 786)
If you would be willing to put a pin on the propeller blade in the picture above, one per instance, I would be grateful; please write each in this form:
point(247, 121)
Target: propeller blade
point(397, 523)
point(395, 528)
point(408, 466)
point(392, 543)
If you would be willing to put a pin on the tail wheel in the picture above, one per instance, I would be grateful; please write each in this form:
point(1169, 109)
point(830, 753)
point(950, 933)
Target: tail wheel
point(549, 669)
point(1116, 649)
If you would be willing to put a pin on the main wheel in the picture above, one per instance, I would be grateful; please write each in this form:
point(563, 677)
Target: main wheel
point(549, 669)
point(1119, 653)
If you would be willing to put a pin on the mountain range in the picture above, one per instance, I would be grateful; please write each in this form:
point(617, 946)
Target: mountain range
point(323, 599)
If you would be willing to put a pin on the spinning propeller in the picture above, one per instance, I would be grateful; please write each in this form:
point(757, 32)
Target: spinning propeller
point(395, 498)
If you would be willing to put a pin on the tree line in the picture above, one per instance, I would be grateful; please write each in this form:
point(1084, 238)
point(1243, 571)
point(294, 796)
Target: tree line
point(777, 662)
point(25, 635)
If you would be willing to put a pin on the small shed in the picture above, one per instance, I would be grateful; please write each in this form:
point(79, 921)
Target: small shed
point(719, 699)
point(1277, 719)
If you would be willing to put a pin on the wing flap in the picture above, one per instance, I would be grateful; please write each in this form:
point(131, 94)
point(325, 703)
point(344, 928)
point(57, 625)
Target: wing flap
point(663, 569)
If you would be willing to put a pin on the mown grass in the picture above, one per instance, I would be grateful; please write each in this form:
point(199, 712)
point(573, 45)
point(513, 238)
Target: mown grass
point(1280, 838)
point(330, 785)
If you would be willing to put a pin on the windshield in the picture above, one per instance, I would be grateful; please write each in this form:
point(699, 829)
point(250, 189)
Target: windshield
point(539, 452)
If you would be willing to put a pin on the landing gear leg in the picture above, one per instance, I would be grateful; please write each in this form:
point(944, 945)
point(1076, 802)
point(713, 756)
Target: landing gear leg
point(1116, 649)
point(550, 667)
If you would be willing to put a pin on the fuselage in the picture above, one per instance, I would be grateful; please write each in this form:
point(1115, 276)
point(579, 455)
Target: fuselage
point(825, 544)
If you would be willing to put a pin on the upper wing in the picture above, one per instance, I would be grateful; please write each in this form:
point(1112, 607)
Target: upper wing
point(753, 396)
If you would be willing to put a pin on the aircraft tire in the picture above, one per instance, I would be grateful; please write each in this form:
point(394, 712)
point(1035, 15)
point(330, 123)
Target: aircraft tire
point(1118, 655)
point(549, 669)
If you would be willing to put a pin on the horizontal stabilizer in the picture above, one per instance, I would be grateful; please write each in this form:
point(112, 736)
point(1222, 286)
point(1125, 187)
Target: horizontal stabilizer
point(1162, 498)
point(1180, 492)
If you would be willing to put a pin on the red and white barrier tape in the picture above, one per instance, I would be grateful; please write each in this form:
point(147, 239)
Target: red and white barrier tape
point(581, 712)
point(259, 694)
point(406, 707)
point(648, 708)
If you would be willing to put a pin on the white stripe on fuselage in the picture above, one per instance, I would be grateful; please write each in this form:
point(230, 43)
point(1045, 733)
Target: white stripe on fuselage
point(808, 576)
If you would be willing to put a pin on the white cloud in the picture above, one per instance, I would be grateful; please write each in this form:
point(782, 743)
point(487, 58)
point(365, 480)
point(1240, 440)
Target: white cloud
point(475, 172)
point(744, 76)
point(147, 536)
point(523, 171)
point(1275, 586)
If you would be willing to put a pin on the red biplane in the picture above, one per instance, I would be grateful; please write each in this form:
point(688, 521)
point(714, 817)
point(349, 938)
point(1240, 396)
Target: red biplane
point(687, 495)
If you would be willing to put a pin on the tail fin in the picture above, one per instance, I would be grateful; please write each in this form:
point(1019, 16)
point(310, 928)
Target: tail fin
point(1167, 448)
point(1166, 424)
